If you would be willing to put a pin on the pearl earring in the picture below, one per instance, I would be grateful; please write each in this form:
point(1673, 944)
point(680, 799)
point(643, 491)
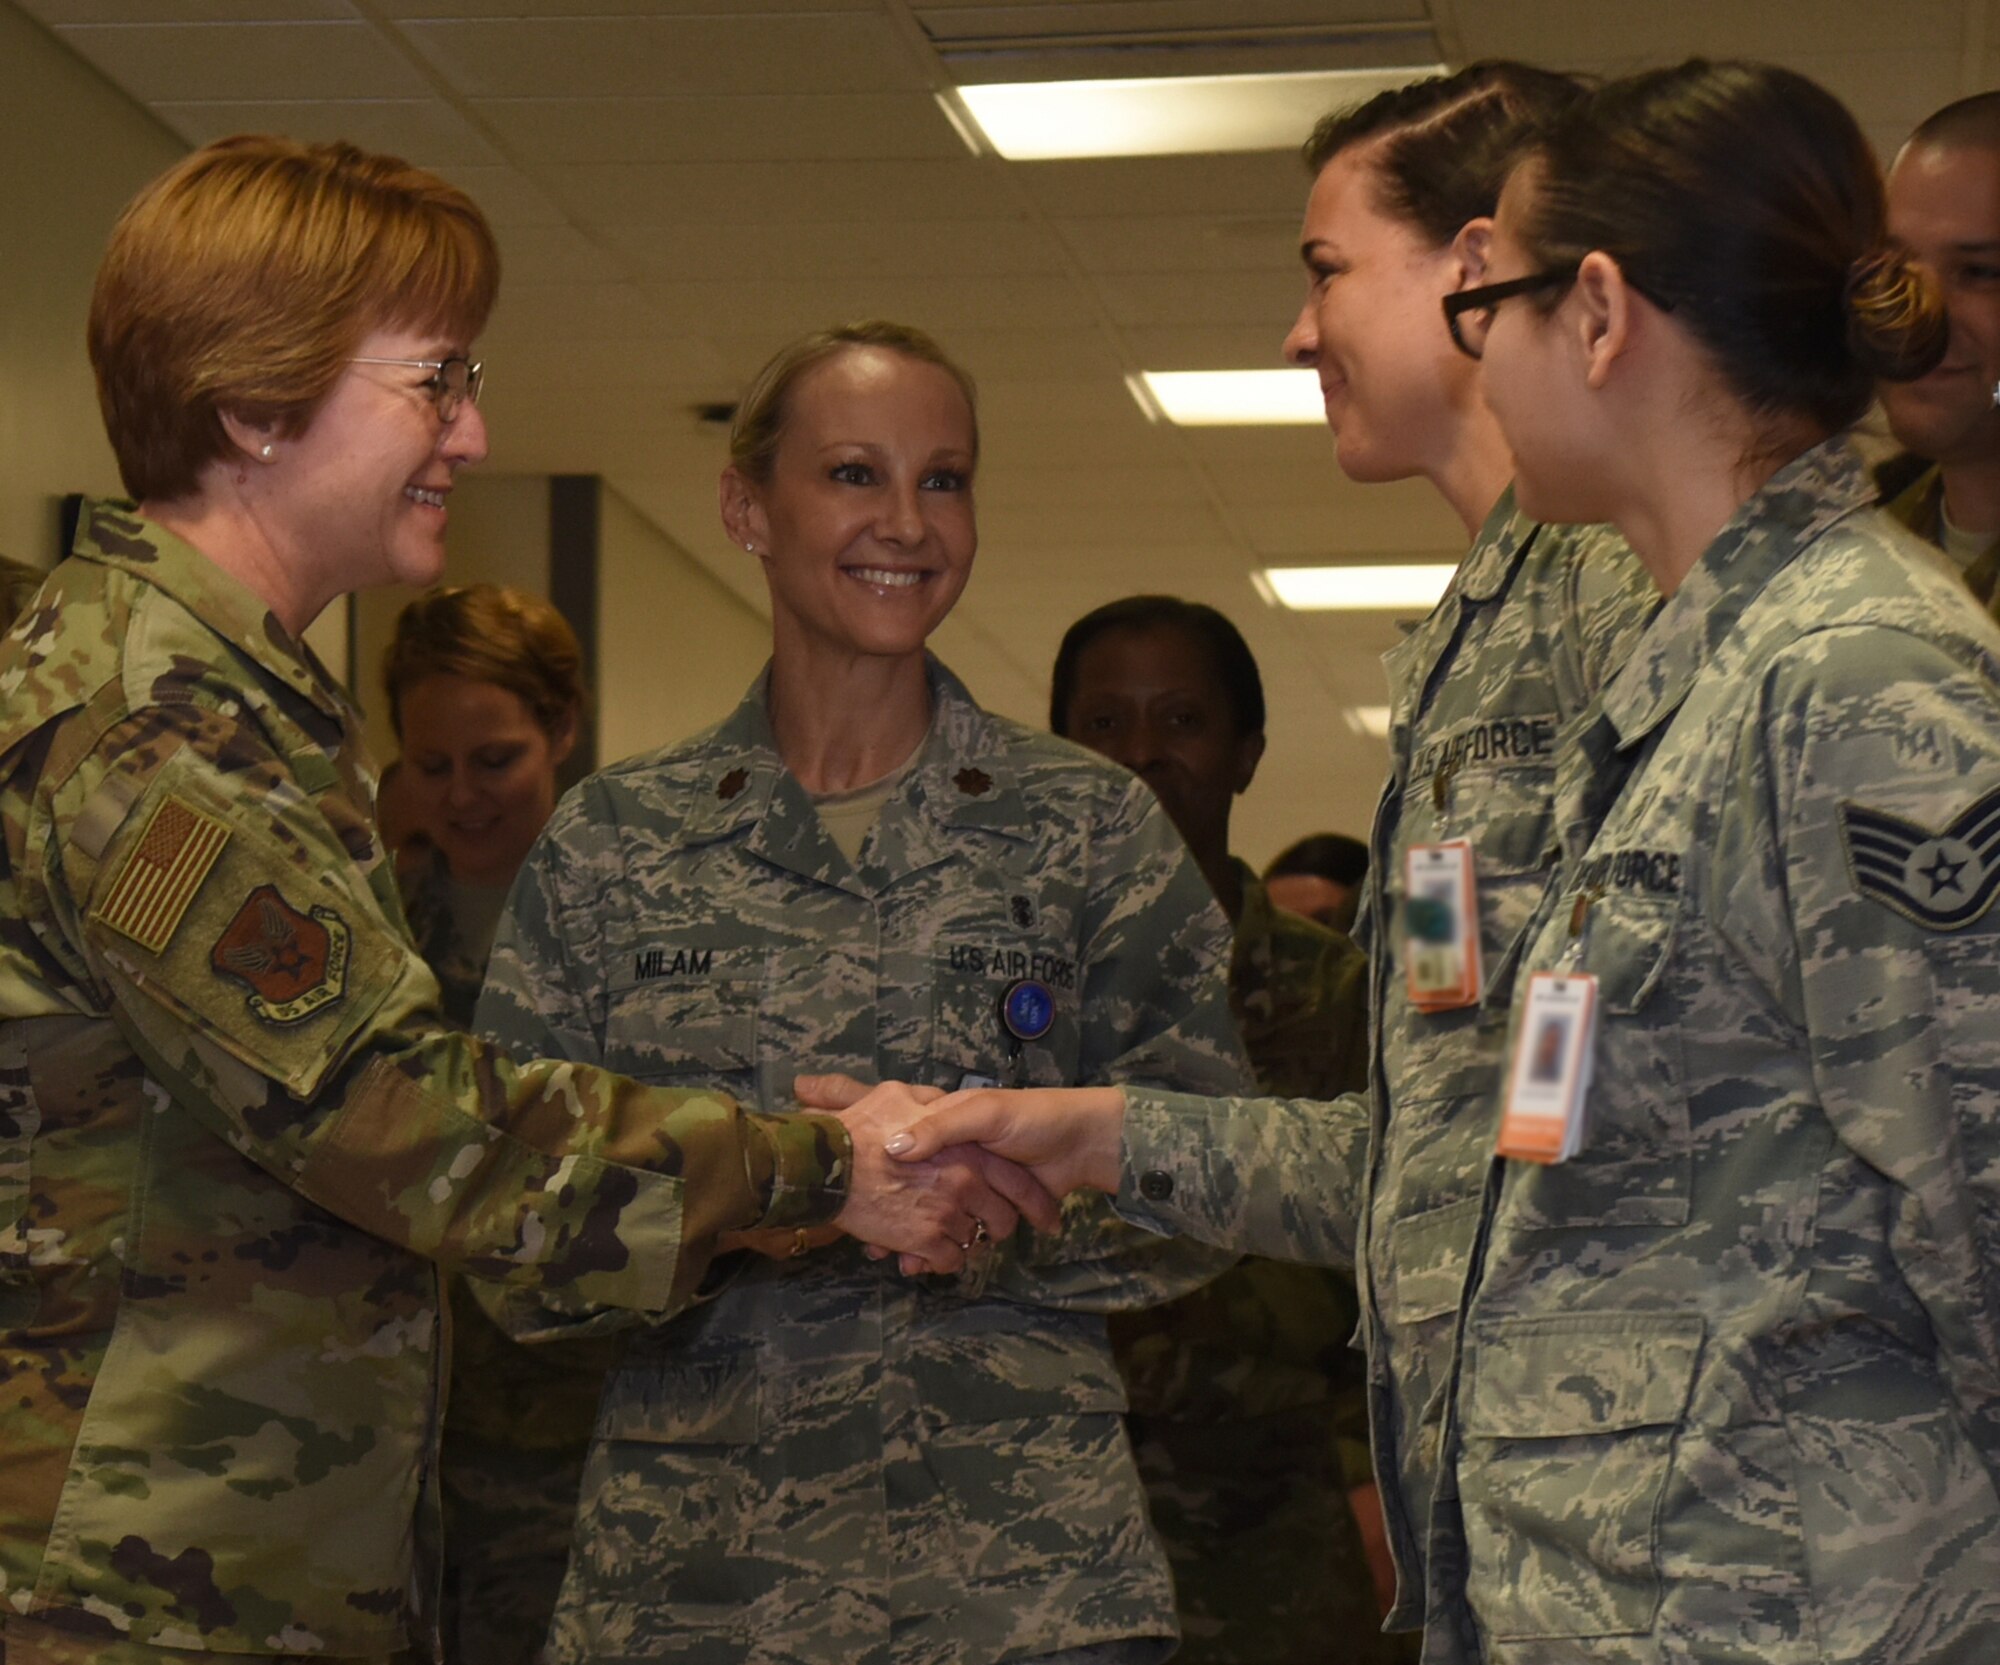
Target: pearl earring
point(266, 452)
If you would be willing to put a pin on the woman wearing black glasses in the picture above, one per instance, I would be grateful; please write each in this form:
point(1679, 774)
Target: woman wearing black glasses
point(1729, 1383)
point(1757, 1311)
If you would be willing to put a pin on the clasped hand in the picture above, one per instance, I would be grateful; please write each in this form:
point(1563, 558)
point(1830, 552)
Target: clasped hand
point(934, 1210)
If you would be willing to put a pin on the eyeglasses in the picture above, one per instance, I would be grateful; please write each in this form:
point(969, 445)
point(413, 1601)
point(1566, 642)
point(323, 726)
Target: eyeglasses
point(451, 383)
point(1468, 314)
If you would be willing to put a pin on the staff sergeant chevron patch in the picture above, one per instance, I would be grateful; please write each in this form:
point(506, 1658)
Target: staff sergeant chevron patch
point(1943, 880)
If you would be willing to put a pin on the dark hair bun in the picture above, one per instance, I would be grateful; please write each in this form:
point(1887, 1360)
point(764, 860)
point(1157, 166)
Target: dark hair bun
point(1896, 324)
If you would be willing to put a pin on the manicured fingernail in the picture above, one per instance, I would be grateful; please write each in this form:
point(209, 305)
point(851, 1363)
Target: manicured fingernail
point(899, 1144)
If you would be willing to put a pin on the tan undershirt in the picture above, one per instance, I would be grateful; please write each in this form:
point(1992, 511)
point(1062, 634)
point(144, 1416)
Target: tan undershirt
point(848, 816)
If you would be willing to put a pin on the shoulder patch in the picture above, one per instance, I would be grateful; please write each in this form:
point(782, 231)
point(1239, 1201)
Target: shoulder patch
point(1943, 880)
point(162, 874)
point(294, 964)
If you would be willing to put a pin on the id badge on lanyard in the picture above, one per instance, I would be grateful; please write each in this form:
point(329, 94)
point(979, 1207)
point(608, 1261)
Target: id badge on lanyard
point(1441, 926)
point(1548, 1078)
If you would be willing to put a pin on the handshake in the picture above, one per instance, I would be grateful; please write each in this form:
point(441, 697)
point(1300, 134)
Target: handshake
point(936, 1175)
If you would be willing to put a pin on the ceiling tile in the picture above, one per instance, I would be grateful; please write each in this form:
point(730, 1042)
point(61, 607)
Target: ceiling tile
point(792, 305)
point(56, 12)
point(182, 61)
point(426, 131)
point(506, 195)
point(1250, 185)
point(782, 193)
point(1186, 242)
point(632, 57)
point(807, 127)
point(1148, 300)
point(841, 249)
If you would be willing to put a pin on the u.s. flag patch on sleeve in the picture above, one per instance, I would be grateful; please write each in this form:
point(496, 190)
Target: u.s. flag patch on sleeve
point(161, 875)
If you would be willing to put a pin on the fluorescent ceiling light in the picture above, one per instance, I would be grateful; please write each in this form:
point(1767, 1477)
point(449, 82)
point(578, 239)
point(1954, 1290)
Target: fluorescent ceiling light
point(1371, 720)
point(1229, 398)
point(1040, 121)
point(1309, 589)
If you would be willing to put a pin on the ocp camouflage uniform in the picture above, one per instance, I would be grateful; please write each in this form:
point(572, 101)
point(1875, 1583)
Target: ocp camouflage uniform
point(232, 1142)
point(1730, 1389)
point(1920, 507)
point(18, 584)
point(1249, 1409)
point(459, 965)
point(517, 1419)
point(828, 1462)
point(1483, 695)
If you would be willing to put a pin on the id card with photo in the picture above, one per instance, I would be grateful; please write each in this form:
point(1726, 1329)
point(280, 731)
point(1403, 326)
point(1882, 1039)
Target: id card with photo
point(1441, 926)
point(1549, 1077)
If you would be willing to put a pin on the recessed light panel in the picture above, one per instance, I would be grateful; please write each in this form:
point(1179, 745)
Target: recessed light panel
point(1043, 121)
point(1230, 398)
point(1358, 588)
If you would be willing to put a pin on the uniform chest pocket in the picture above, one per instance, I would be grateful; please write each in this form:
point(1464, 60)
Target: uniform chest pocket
point(1569, 1434)
point(1507, 816)
point(1636, 1165)
point(682, 1029)
point(1006, 1013)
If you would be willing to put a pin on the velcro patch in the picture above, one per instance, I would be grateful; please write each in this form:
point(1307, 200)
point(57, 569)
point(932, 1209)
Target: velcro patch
point(162, 874)
point(1942, 880)
point(294, 964)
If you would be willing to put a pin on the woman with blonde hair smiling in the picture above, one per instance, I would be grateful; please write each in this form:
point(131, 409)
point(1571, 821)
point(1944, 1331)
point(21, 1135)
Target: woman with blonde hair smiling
point(826, 1462)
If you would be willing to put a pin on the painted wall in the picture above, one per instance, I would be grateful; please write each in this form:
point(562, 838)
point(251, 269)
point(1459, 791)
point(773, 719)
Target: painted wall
point(76, 149)
point(675, 648)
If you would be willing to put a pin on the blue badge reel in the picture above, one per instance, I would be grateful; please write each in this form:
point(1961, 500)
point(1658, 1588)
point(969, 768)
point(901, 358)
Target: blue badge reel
point(1027, 1009)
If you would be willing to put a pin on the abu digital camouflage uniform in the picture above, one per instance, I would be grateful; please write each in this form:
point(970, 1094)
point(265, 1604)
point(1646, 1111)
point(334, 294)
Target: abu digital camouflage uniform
point(1482, 695)
point(232, 1141)
point(1249, 1408)
point(1730, 1386)
point(827, 1462)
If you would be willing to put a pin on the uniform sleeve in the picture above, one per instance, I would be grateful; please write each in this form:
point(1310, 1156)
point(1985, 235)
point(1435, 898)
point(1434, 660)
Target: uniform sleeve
point(1875, 782)
point(253, 968)
point(1155, 1004)
point(1261, 1176)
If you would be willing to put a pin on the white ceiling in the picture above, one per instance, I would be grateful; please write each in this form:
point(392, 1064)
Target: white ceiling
point(680, 185)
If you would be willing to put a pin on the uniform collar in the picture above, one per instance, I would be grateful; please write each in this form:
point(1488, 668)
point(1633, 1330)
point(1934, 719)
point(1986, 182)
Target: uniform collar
point(1489, 565)
point(115, 534)
point(962, 778)
point(1791, 509)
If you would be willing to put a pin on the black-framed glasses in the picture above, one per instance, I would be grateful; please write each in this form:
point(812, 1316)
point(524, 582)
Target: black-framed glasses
point(1468, 313)
point(452, 382)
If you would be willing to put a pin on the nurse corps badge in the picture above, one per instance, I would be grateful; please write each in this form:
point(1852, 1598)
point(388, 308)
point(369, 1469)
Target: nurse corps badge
point(294, 964)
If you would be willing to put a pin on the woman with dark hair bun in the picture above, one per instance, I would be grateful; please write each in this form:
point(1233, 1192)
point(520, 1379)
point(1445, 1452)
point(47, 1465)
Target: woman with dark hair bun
point(1732, 1376)
point(1727, 1379)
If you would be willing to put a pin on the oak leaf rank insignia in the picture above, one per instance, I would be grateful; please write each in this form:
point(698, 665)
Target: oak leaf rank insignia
point(294, 964)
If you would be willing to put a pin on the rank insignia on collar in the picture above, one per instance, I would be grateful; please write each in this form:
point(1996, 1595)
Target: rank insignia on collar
point(731, 784)
point(1942, 880)
point(294, 964)
point(974, 783)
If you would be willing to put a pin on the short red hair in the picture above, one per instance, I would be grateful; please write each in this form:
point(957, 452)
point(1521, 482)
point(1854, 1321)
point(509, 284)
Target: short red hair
point(243, 278)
